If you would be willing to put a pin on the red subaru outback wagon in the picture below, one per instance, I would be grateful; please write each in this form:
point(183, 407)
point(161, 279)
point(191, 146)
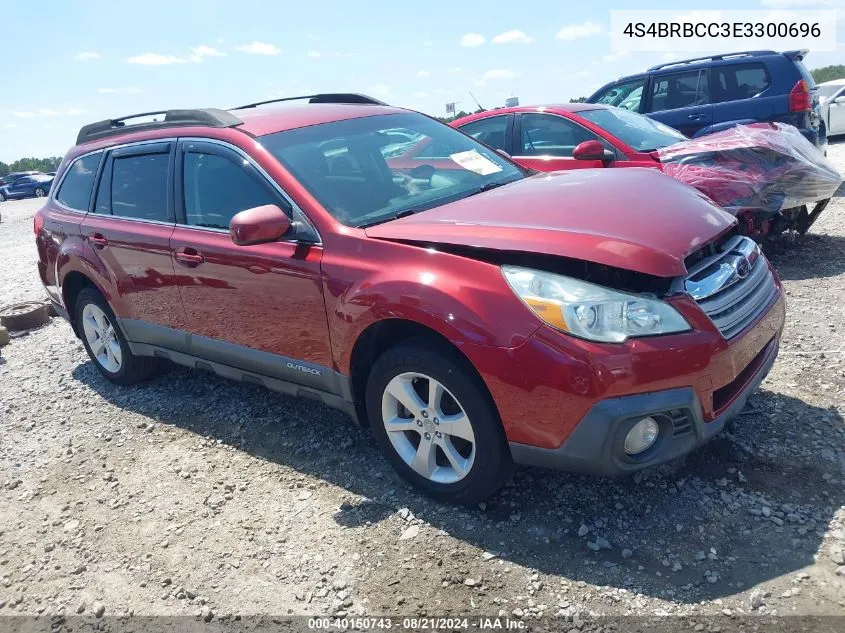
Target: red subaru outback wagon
point(471, 314)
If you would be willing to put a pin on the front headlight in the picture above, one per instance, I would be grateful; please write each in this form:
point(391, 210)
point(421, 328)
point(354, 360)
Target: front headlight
point(589, 311)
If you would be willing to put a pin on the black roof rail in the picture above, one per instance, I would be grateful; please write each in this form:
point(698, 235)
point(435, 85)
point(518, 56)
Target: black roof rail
point(708, 58)
point(211, 117)
point(331, 97)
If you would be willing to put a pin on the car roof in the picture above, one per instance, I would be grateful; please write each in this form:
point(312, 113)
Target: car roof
point(550, 107)
point(271, 119)
point(833, 82)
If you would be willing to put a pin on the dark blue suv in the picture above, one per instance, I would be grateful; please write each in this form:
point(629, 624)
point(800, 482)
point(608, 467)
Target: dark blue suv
point(707, 94)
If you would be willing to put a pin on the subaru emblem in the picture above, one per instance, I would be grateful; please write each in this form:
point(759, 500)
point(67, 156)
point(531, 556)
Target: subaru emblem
point(743, 267)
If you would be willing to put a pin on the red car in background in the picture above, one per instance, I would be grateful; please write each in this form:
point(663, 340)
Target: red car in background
point(767, 175)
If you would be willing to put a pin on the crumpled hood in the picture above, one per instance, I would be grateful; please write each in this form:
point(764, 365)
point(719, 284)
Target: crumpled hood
point(634, 218)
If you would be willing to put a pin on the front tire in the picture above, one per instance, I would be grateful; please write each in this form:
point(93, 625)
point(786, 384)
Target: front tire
point(2, 197)
point(105, 343)
point(435, 422)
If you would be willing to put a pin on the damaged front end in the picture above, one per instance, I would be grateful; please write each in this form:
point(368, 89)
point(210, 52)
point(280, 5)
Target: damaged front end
point(768, 175)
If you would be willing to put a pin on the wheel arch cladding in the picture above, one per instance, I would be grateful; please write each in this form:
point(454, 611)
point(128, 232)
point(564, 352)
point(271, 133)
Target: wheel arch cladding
point(382, 335)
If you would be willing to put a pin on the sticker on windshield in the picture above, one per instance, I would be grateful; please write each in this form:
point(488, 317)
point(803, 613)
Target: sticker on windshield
point(475, 162)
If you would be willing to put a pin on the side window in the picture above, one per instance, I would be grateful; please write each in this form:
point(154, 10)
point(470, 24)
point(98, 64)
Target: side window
point(139, 186)
point(216, 188)
point(490, 131)
point(742, 81)
point(75, 192)
point(550, 135)
point(681, 90)
point(627, 95)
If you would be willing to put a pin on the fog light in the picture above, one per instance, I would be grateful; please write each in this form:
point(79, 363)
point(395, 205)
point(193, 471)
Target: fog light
point(642, 436)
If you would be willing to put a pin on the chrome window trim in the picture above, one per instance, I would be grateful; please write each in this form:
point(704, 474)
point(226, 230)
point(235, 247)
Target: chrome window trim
point(276, 187)
point(128, 219)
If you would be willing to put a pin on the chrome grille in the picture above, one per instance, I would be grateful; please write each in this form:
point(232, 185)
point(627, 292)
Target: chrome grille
point(734, 286)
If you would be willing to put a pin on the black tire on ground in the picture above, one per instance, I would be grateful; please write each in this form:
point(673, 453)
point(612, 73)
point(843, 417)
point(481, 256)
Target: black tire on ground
point(492, 466)
point(133, 368)
point(2, 197)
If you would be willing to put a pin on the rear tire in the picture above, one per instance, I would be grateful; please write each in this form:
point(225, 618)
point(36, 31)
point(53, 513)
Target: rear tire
point(105, 343)
point(435, 422)
point(40, 193)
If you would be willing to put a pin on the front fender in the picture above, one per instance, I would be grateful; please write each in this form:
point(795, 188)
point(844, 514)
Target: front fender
point(464, 300)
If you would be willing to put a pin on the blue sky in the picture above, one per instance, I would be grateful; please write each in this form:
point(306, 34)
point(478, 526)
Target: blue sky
point(70, 63)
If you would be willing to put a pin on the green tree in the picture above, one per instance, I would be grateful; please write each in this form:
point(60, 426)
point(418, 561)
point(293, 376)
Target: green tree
point(578, 100)
point(828, 73)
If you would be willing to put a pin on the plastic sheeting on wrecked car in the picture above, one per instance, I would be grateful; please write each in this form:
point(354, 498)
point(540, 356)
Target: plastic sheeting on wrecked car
point(763, 168)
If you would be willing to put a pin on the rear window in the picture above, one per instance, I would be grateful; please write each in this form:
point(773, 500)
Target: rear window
point(75, 192)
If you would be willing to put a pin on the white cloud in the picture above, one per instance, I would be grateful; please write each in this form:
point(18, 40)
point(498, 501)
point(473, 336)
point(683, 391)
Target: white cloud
point(576, 31)
point(198, 53)
point(617, 56)
point(10, 125)
point(423, 73)
point(86, 56)
point(313, 54)
point(46, 112)
point(498, 73)
point(471, 40)
point(155, 59)
point(512, 37)
point(670, 56)
point(106, 91)
point(454, 70)
point(420, 95)
point(259, 48)
point(75, 112)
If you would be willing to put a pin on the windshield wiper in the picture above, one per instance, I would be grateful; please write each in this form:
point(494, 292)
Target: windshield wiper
point(488, 187)
point(389, 218)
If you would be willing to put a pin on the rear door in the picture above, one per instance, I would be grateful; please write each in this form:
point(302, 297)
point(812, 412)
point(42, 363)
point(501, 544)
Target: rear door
point(257, 307)
point(129, 232)
point(740, 92)
point(681, 100)
point(494, 131)
point(545, 142)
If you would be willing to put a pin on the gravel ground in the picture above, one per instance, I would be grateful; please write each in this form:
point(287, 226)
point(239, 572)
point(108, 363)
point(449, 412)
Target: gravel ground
point(192, 495)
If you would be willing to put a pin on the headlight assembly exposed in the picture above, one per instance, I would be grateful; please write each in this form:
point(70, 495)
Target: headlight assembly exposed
point(590, 311)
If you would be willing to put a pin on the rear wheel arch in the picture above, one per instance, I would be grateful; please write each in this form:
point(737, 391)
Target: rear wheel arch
point(383, 335)
point(73, 283)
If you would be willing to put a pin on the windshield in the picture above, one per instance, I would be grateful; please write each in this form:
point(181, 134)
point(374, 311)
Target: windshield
point(636, 130)
point(371, 169)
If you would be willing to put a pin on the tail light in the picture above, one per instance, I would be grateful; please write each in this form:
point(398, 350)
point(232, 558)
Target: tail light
point(38, 222)
point(799, 97)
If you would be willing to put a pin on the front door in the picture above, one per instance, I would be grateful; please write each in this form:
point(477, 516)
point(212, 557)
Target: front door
point(258, 307)
point(545, 142)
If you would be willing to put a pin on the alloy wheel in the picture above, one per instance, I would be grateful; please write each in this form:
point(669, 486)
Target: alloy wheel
point(39, 193)
point(101, 338)
point(428, 428)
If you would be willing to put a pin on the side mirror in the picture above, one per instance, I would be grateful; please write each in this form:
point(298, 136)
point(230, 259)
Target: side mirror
point(591, 150)
point(258, 225)
point(423, 172)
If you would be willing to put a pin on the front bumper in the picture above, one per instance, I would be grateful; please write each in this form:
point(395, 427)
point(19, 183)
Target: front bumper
point(596, 444)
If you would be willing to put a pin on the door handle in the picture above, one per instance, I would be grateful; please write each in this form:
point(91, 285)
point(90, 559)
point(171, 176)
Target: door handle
point(695, 117)
point(98, 241)
point(188, 256)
